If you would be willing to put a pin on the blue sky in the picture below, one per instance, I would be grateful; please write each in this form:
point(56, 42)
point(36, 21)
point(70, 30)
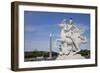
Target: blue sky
point(39, 25)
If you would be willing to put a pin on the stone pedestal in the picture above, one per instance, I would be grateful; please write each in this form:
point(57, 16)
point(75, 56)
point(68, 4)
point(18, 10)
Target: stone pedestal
point(65, 57)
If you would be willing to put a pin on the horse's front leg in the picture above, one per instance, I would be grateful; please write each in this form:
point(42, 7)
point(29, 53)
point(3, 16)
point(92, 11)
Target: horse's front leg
point(60, 46)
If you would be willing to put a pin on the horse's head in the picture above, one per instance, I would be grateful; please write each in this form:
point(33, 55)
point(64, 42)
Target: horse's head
point(61, 25)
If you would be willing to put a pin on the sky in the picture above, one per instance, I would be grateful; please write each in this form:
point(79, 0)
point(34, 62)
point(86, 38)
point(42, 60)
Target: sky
point(39, 25)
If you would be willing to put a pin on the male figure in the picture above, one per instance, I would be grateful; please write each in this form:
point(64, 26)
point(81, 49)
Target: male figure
point(75, 34)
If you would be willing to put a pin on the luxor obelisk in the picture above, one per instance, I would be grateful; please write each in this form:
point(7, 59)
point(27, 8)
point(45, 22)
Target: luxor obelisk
point(50, 49)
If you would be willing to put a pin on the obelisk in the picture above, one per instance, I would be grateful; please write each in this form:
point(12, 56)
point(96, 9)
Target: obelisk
point(50, 53)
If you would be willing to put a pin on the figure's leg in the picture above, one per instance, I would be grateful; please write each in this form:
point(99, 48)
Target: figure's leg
point(71, 50)
point(77, 46)
point(66, 49)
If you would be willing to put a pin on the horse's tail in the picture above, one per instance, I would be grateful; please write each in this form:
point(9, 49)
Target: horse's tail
point(84, 40)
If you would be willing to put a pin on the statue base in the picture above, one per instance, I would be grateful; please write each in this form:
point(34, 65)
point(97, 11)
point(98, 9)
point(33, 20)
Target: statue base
point(76, 56)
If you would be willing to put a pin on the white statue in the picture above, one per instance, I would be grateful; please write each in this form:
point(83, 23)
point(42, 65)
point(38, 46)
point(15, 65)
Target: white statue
point(70, 38)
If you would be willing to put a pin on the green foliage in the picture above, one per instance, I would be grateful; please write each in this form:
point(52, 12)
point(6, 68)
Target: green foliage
point(36, 53)
point(85, 53)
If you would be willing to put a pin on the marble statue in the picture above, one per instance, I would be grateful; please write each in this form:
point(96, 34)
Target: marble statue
point(71, 38)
